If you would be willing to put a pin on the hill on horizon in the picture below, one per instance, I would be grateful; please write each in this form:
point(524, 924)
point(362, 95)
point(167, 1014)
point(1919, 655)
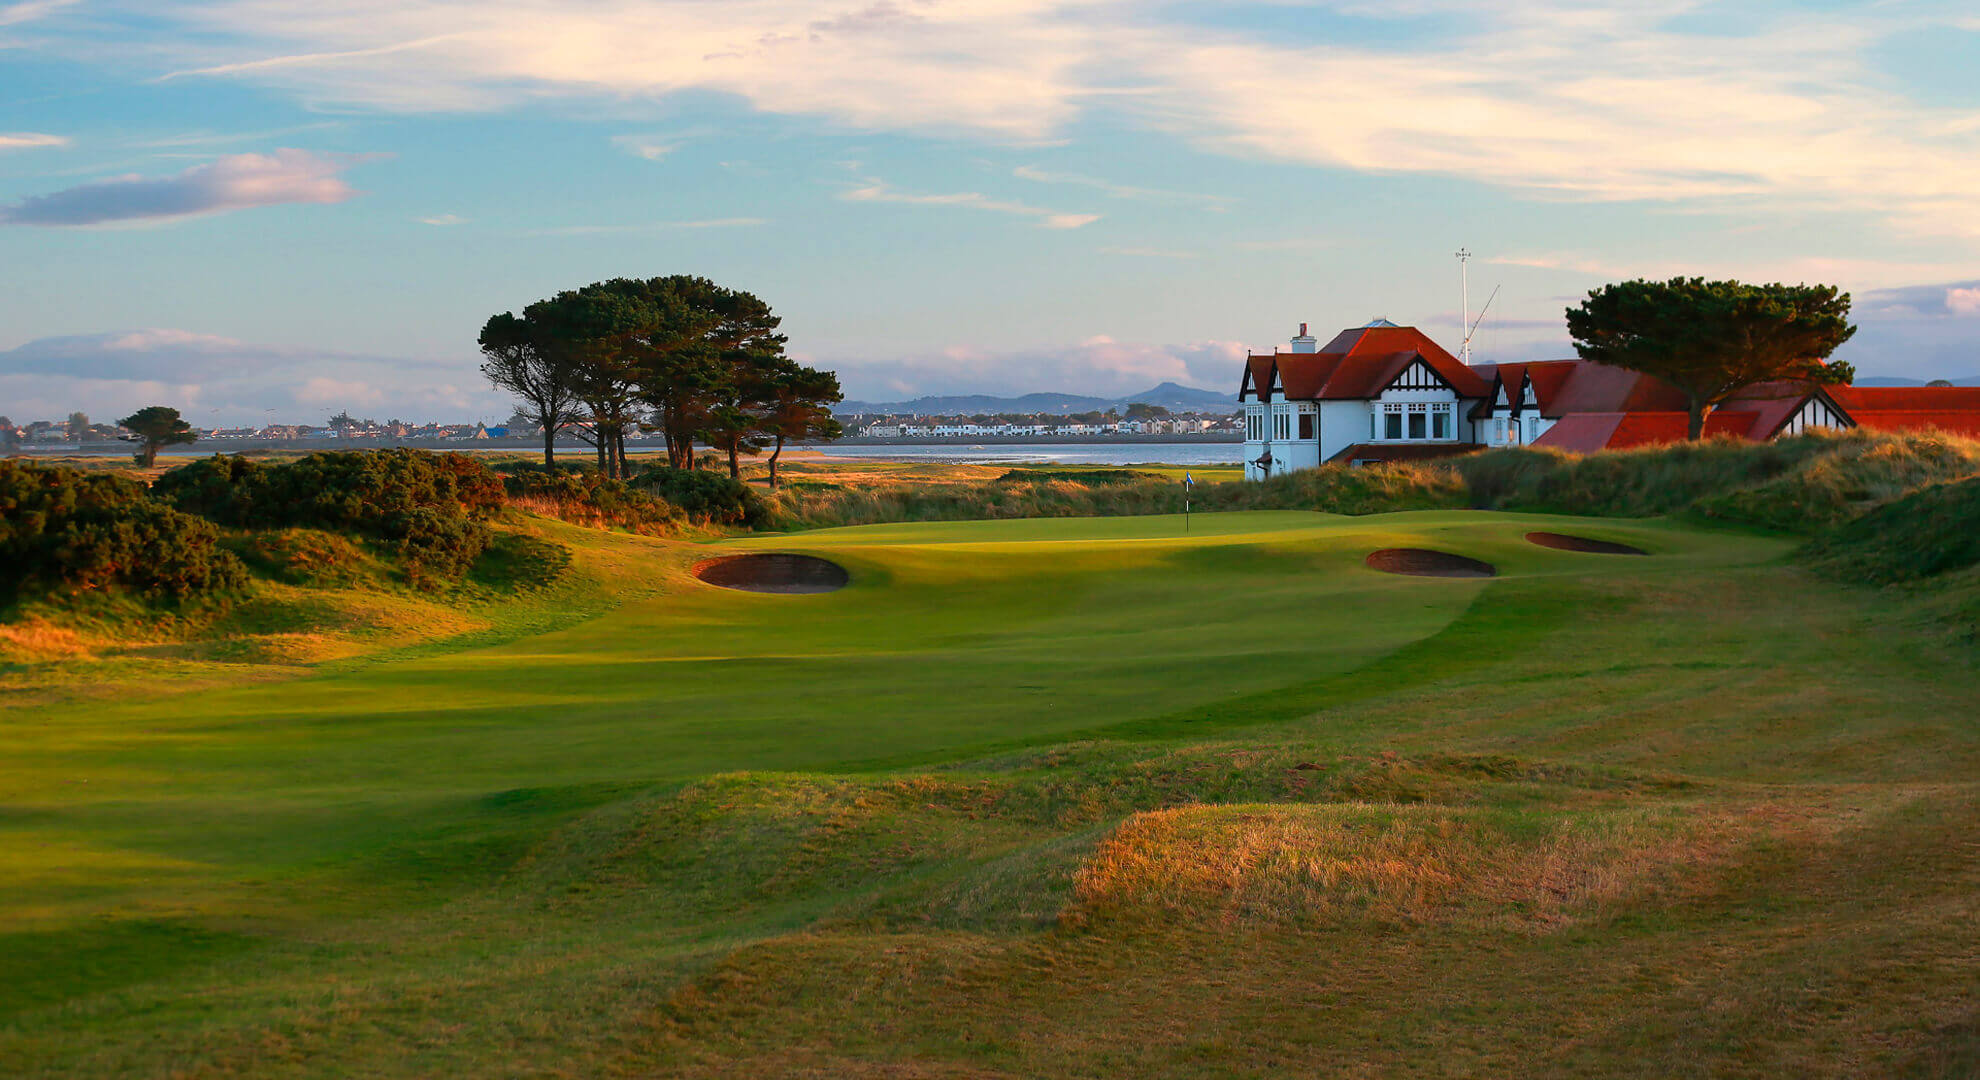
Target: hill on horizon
point(1169, 395)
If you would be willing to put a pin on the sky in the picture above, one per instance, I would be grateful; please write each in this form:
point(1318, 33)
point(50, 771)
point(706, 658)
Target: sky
point(260, 210)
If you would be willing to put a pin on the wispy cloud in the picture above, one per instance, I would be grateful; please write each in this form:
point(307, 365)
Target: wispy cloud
point(1553, 98)
point(650, 147)
point(225, 138)
point(652, 226)
point(29, 10)
point(879, 191)
point(1859, 274)
point(29, 140)
point(231, 183)
point(443, 220)
point(1148, 253)
point(1123, 191)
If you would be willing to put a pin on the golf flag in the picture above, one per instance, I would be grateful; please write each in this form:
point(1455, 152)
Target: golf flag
point(1188, 480)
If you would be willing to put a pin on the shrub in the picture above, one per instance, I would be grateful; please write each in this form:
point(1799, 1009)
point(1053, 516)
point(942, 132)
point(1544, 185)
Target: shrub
point(706, 496)
point(427, 505)
point(305, 557)
point(588, 498)
point(64, 529)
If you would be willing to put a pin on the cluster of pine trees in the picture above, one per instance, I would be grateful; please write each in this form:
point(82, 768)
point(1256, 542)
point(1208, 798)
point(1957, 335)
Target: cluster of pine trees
point(679, 354)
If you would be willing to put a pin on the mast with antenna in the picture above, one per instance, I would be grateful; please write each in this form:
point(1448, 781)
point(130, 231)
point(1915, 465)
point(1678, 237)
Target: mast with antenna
point(1464, 293)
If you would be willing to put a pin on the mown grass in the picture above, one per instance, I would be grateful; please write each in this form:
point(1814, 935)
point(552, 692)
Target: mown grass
point(1070, 797)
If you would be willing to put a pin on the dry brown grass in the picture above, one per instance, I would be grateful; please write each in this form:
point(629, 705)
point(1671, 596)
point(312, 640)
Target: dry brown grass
point(1398, 865)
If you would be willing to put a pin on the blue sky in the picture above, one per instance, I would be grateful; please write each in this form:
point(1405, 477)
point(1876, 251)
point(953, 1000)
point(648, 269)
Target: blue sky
point(261, 208)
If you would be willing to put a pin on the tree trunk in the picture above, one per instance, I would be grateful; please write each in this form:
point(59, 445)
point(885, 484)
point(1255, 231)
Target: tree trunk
point(619, 448)
point(148, 455)
point(550, 447)
point(735, 467)
point(1695, 421)
point(598, 440)
point(773, 462)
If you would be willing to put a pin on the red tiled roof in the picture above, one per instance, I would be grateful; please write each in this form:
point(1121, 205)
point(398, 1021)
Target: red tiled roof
point(1580, 432)
point(1911, 408)
point(1588, 432)
point(1358, 364)
point(1593, 388)
point(1955, 421)
point(1404, 451)
point(1908, 398)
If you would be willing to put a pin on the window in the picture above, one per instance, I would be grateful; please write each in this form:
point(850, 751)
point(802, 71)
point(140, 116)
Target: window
point(1392, 426)
point(1440, 424)
point(1254, 426)
point(1281, 426)
point(1306, 426)
point(1416, 422)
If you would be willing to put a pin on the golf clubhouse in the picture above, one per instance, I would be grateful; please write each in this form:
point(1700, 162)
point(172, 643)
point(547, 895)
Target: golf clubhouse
point(1383, 392)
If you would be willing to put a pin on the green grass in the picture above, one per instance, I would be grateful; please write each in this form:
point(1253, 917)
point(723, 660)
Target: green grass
point(1070, 797)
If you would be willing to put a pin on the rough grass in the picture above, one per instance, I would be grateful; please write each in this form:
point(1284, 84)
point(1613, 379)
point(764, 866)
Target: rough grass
point(1801, 484)
point(1934, 530)
point(1102, 493)
point(1032, 798)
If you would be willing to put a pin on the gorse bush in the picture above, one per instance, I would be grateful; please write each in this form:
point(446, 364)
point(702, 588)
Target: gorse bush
point(65, 530)
point(704, 496)
point(427, 506)
point(587, 497)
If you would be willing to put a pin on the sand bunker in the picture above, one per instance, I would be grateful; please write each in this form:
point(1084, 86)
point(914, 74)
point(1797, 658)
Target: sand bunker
point(773, 572)
point(1426, 563)
point(1564, 542)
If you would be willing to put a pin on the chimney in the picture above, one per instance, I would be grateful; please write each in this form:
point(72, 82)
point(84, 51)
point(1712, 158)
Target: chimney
point(1304, 343)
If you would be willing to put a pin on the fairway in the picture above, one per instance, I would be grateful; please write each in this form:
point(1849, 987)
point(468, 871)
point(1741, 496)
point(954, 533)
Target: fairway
point(453, 858)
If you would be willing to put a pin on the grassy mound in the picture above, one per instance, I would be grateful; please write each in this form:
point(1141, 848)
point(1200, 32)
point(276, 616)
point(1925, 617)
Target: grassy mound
point(1801, 484)
point(1934, 530)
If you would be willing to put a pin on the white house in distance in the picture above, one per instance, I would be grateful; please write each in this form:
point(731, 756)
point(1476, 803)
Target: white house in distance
point(1383, 392)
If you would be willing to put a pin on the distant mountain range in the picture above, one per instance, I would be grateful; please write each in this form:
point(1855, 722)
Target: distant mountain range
point(1170, 396)
point(1893, 380)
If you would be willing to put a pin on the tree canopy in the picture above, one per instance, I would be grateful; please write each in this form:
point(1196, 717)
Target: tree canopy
point(681, 354)
point(1712, 339)
point(156, 426)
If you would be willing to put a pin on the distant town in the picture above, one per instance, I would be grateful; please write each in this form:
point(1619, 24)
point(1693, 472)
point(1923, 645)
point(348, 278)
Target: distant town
point(1137, 420)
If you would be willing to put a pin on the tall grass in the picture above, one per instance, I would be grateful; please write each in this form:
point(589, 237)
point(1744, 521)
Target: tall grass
point(1801, 484)
point(1332, 489)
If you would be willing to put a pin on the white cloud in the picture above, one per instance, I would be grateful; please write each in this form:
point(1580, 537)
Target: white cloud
point(230, 183)
point(1557, 98)
point(1122, 191)
point(29, 140)
point(1099, 366)
point(222, 381)
point(649, 147)
point(444, 220)
point(879, 191)
point(1963, 301)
